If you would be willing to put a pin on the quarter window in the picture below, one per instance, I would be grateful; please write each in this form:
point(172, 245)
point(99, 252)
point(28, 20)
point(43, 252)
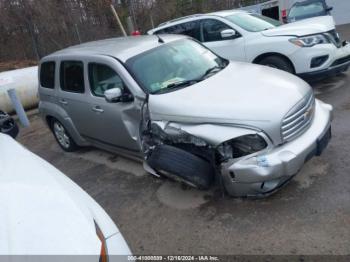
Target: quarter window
point(102, 78)
point(190, 28)
point(212, 30)
point(72, 76)
point(47, 75)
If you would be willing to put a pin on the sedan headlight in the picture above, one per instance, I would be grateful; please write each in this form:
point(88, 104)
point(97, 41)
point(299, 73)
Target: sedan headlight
point(241, 146)
point(309, 41)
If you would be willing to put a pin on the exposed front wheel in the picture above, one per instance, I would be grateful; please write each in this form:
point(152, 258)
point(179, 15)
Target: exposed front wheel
point(181, 165)
point(278, 63)
point(62, 136)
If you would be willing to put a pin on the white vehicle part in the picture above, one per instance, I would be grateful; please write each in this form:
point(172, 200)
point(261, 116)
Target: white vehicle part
point(25, 82)
point(45, 212)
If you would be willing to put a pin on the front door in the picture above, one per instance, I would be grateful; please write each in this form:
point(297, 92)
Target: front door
point(230, 48)
point(113, 124)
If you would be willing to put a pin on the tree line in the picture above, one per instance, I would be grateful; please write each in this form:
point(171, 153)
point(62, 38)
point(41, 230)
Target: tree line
point(31, 29)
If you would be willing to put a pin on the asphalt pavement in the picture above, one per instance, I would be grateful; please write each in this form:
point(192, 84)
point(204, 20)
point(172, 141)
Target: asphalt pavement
point(311, 215)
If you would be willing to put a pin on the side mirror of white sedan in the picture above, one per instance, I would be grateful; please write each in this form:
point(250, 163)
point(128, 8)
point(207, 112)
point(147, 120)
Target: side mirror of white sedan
point(227, 33)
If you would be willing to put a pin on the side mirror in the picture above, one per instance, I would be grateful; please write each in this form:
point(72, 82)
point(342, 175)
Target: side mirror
point(329, 8)
point(227, 33)
point(113, 95)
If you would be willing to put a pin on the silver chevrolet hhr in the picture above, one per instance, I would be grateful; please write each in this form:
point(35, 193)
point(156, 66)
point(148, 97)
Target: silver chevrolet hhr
point(188, 113)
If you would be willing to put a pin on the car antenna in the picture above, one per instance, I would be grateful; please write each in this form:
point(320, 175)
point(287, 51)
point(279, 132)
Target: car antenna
point(160, 40)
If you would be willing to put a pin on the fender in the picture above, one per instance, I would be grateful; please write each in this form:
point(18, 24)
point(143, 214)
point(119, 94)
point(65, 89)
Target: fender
point(213, 134)
point(51, 110)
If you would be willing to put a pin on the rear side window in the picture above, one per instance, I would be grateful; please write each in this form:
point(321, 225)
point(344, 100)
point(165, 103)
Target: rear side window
point(47, 75)
point(190, 28)
point(212, 30)
point(72, 76)
point(102, 78)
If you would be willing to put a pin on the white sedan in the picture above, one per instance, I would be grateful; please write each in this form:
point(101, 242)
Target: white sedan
point(310, 48)
point(43, 212)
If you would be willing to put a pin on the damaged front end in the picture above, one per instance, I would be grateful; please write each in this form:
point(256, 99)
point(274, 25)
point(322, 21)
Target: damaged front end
point(176, 154)
point(193, 153)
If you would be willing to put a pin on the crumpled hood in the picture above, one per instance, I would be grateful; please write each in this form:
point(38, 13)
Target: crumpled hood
point(241, 94)
point(309, 26)
point(38, 216)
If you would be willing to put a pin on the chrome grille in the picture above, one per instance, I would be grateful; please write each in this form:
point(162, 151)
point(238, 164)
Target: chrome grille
point(335, 38)
point(298, 119)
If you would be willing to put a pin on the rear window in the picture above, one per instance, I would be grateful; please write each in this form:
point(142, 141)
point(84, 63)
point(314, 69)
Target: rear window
point(190, 29)
point(72, 76)
point(47, 74)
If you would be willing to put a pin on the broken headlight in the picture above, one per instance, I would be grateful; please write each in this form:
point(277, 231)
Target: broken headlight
point(241, 146)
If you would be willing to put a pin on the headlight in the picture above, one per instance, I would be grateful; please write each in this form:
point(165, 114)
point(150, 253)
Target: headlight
point(309, 41)
point(241, 146)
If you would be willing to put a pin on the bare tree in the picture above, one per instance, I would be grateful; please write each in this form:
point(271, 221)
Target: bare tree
point(30, 29)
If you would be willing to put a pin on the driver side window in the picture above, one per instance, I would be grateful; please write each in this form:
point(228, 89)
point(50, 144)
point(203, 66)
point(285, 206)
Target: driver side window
point(102, 78)
point(212, 30)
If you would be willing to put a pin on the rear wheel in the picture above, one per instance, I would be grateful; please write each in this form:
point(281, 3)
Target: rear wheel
point(62, 136)
point(278, 63)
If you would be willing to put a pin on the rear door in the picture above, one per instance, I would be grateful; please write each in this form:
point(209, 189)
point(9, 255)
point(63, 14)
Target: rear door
point(47, 74)
point(231, 48)
point(71, 94)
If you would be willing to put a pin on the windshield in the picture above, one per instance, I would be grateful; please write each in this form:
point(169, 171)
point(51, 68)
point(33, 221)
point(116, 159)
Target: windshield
point(253, 22)
point(180, 63)
point(308, 10)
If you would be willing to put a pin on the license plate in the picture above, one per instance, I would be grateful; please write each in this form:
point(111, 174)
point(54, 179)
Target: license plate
point(323, 141)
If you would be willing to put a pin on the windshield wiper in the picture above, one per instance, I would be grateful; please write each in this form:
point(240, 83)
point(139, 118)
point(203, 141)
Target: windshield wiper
point(189, 82)
point(212, 70)
point(177, 85)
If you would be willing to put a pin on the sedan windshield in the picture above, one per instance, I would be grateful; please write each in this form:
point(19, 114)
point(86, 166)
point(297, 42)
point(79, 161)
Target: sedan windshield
point(175, 65)
point(253, 22)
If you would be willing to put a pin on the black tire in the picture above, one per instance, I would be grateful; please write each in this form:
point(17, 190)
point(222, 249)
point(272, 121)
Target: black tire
point(174, 162)
point(277, 62)
point(7, 125)
point(63, 139)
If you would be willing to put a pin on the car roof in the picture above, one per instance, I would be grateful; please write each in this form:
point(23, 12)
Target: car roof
point(223, 13)
point(121, 48)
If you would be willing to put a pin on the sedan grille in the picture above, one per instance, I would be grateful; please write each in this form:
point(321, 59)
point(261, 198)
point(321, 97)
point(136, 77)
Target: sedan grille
point(298, 119)
point(334, 38)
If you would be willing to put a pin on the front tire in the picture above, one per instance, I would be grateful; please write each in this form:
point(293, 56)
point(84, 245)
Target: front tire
point(181, 165)
point(62, 136)
point(278, 63)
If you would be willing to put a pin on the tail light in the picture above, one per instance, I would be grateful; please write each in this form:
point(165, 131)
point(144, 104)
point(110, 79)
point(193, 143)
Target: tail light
point(103, 253)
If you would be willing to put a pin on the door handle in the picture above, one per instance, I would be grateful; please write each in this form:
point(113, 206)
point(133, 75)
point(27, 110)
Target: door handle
point(97, 109)
point(63, 102)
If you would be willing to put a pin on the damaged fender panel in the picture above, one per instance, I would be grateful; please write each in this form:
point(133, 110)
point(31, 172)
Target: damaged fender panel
point(197, 144)
point(172, 152)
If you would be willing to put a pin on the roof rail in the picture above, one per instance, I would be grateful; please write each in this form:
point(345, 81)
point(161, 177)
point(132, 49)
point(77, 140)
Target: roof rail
point(179, 19)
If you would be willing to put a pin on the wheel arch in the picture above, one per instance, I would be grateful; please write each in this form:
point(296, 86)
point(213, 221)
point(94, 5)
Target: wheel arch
point(68, 124)
point(260, 57)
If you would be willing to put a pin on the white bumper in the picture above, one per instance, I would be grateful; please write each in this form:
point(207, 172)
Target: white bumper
point(303, 56)
point(263, 174)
